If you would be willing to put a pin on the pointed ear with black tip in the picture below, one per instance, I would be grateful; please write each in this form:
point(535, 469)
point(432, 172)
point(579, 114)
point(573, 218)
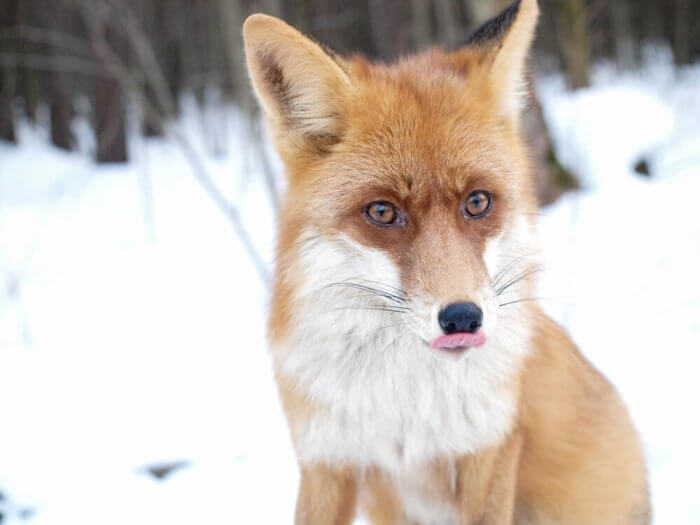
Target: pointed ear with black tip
point(498, 52)
point(301, 87)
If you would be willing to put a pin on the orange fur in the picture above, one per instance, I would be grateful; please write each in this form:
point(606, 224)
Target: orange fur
point(424, 132)
point(578, 430)
point(327, 495)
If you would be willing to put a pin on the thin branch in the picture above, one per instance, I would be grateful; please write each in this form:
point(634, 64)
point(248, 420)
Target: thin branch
point(63, 64)
point(335, 21)
point(267, 170)
point(41, 35)
point(129, 85)
point(201, 174)
point(147, 57)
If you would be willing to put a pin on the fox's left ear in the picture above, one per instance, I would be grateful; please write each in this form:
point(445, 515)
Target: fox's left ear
point(497, 52)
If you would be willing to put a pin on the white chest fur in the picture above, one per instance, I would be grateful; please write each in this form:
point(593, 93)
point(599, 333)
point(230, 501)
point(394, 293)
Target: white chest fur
point(399, 407)
point(423, 497)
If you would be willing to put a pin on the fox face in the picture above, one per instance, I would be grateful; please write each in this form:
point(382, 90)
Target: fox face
point(410, 198)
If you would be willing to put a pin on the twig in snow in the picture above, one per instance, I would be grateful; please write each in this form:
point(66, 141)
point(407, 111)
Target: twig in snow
point(96, 20)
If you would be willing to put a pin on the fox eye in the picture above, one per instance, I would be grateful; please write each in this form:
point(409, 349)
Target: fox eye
point(477, 204)
point(382, 213)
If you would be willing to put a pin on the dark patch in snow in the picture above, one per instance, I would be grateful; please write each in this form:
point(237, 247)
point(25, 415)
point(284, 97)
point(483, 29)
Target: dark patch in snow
point(161, 471)
point(26, 513)
point(641, 167)
point(8, 509)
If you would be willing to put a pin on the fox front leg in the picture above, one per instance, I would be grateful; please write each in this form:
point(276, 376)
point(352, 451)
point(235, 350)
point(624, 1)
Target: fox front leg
point(327, 496)
point(487, 484)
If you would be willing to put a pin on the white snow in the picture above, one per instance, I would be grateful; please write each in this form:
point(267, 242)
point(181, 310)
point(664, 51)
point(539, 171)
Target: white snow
point(132, 323)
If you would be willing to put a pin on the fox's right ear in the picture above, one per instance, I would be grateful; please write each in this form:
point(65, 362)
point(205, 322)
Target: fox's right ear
point(498, 52)
point(300, 86)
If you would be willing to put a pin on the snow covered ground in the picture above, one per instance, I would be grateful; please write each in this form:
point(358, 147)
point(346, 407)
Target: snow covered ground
point(131, 321)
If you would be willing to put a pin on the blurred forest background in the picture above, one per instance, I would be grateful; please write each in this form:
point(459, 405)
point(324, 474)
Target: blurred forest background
point(102, 58)
point(131, 313)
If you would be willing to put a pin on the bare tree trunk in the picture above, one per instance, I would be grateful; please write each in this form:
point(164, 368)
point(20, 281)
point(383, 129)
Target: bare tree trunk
point(231, 16)
point(110, 124)
point(572, 32)
point(654, 18)
point(300, 14)
point(550, 177)
point(694, 44)
point(173, 49)
point(481, 10)
point(273, 7)
point(7, 126)
point(620, 15)
point(420, 18)
point(61, 113)
point(681, 32)
point(110, 119)
point(447, 20)
point(151, 127)
point(379, 24)
point(390, 27)
point(151, 17)
point(60, 103)
point(28, 78)
point(188, 42)
point(8, 75)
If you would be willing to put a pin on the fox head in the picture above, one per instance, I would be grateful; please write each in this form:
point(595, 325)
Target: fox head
point(409, 210)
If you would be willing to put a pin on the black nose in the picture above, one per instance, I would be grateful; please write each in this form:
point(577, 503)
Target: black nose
point(460, 317)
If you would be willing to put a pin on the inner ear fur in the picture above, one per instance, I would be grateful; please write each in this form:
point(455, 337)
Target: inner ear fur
point(302, 88)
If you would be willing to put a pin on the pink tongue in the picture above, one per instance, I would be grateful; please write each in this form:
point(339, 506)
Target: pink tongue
point(460, 340)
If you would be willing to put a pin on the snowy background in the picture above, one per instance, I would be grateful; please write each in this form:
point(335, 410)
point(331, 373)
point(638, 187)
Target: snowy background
point(135, 385)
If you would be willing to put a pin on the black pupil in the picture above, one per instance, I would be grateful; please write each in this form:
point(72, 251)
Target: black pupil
point(477, 201)
point(382, 213)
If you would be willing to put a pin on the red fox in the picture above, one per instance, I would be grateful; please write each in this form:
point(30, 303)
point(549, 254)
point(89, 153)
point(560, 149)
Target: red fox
point(421, 382)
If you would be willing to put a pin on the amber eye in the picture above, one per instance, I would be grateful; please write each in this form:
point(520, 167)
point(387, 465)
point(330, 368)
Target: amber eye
point(382, 213)
point(477, 204)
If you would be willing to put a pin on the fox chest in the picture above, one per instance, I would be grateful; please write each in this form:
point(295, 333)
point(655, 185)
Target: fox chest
point(397, 419)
